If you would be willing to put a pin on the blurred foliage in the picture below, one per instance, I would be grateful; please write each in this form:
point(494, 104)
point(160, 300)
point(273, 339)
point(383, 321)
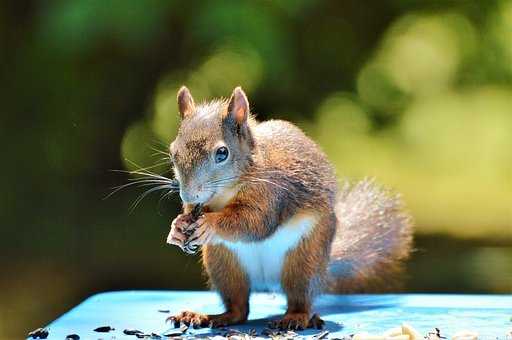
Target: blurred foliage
point(417, 93)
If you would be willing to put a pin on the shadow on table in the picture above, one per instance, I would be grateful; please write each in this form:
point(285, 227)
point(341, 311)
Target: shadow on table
point(330, 304)
point(260, 324)
point(324, 306)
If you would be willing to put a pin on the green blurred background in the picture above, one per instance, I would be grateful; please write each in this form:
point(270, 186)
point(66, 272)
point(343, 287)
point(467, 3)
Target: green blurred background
point(417, 93)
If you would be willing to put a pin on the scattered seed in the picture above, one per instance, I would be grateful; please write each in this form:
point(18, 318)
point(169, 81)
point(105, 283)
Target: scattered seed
point(173, 333)
point(104, 329)
point(434, 335)
point(266, 331)
point(72, 337)
point(164, 311)
point(155, 336)
point(132, 332)
point(321, 335)
point(40, 333)
point(411, 332)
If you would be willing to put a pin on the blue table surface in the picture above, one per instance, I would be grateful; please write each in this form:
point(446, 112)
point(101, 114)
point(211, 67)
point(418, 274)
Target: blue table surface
point(489, 315)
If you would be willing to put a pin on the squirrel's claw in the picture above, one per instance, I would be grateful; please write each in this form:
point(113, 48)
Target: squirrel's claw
point(202, 234)
point(174, 320)
point(297, 321)
point(176, 235)
point(294, 325)
point(316, 322)
point(196, 320)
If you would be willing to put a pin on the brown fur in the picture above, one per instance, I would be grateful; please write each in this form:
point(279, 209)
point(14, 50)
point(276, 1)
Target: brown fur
point(276, 174)
point(373, 238)
point(228, 278)
point(305, 268)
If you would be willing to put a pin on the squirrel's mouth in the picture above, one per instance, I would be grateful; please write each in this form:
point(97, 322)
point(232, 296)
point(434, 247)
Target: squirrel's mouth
point(198, 197)
point(218, 199)
point(209, 198)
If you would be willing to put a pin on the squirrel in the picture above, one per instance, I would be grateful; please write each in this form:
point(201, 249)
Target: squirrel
point(273, 218)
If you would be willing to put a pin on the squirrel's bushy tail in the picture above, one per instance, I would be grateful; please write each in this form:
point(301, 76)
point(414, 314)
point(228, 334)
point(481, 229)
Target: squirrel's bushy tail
point(373, 237)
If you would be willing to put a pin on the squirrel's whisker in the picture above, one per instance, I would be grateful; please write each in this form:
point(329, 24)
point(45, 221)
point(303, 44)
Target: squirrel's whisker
point(222, 180)
point(153, 166)
point(120, 187)
point(144, 195)
point(157, 151)
point(135, 172)
point(138, 166)
point(167, 194)
point(257, 179)
point(164, 196)
point(148, 178)
point(219, 186)
point(142, 183)
point(159, 143)
point(143, 169)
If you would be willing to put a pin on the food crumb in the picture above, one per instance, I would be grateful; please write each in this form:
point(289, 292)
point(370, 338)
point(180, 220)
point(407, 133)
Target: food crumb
point(104, 329)
point(72, 337)
point(40, 333)
point(465, 335)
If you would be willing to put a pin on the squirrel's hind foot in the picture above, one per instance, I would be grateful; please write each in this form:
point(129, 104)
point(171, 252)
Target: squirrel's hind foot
point(297, 321)
point(225, 319)
point(198, 320)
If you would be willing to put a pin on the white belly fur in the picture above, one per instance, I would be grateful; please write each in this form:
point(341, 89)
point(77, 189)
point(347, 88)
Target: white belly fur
point(263, 261)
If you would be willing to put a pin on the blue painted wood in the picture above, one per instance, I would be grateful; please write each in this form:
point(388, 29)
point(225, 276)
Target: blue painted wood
point(489, 315)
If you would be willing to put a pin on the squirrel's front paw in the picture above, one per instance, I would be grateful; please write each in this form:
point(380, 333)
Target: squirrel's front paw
point(202, 234)
point(179, 227)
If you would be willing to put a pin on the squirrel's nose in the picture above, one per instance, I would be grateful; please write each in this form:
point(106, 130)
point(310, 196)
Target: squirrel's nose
point(187, 197)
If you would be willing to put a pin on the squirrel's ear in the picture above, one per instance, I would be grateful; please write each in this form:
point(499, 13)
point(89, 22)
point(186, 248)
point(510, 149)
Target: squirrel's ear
point(238, 107)
point(186, 104)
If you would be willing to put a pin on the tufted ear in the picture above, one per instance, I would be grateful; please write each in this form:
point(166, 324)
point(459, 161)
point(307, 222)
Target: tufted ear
point(238, 107)
point(186, 104)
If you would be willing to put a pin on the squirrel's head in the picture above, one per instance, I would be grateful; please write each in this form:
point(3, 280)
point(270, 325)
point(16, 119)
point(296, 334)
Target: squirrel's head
point(213, 146)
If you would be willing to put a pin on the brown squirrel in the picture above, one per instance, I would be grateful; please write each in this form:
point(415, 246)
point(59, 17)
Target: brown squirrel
point(273, 218)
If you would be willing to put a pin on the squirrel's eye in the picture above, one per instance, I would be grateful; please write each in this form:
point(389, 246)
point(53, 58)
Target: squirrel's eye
point(221, 154)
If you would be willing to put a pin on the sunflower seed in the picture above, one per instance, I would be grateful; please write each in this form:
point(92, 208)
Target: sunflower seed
point(72, 337)
point(132, 331)
point(40, 333)
point(104, 329)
